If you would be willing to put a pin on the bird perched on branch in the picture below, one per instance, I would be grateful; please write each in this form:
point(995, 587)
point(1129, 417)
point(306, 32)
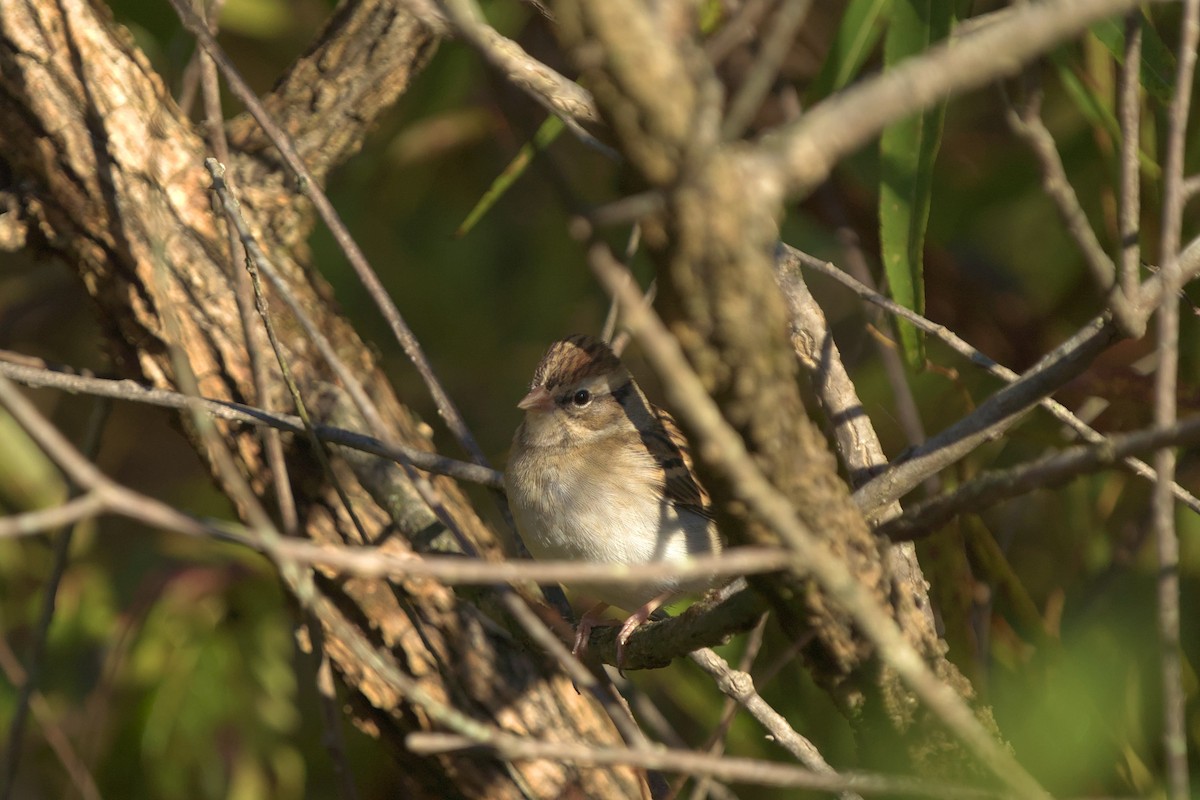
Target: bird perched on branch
point(597, 473)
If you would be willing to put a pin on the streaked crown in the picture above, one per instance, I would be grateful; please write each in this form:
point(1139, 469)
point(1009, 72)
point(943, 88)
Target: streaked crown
point(573, 359)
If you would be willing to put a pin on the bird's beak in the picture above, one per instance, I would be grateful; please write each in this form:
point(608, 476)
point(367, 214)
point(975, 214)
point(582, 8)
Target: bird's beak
point(538, 399)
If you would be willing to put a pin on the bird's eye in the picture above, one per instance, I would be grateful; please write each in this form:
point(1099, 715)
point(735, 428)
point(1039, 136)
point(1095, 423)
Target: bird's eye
point(581, 398)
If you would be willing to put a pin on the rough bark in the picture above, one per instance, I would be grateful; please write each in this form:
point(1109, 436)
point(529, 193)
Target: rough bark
point(108, 176)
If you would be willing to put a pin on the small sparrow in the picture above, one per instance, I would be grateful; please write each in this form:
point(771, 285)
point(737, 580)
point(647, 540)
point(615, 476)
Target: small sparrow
point(597, 473)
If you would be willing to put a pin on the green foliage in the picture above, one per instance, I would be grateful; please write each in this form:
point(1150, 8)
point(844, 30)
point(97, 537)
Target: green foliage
point(907, 152)
point(857, 35)
point(1158, 62)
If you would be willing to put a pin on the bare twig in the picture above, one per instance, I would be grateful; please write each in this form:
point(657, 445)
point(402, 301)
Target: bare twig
point(85, 506)
point(230, 208)
point(855, 263)
point(717, 739)
point(734, 770)
point(37, 648)
point(246, 295)
point(372, 562)
point(557, 94)
point(1048, 471)
point(370, 280)
point(777, 40)
point(1191, 256)
point(739, 686)
point(248, 415)
point(1026, 121)
point(857, 443)
point(74, 766)
point(722, 446)
point(1190, 187)
point(1007, 406)
point(243, 291)
point(1129, 106)
point(738, 30)
point(1174, 732)
point(804, 152)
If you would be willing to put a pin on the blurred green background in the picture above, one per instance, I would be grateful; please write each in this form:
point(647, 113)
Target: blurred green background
point(170, 663)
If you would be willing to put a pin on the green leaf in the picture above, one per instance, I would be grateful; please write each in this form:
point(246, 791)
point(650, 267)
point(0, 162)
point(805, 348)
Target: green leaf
point(859, 31)
point(907, 152)
point(546, 133)
point(1096, 108)
point(1158, 62)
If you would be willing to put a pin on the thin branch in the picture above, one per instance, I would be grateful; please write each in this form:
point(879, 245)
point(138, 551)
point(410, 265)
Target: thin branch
point(30, 523)
point(370, 280)
point(777, 40)
point(720, 444)
point(1191, 258)
point(375, 562)
point(230, 208)
point(236, 412)
point(718, 738)
point(243, 290)
point(1190, 187)
point(1026, 121)
point(1129, 107)
point(855, 261)
point(990, 419)
point(74, 766)
point(739, 30)
point(37, 647)
point(739, 686)
point(857, 442)
point(1046, 472)
point(804, 152)
point(733, 770)
point(1174, 733)
point(558, 94)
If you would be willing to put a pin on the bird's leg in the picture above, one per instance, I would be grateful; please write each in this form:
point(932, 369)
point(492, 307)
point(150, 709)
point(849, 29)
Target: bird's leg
point(588, 621)
point(632, 622)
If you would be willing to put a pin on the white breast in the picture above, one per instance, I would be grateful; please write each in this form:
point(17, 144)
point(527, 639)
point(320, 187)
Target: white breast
point(593, 512)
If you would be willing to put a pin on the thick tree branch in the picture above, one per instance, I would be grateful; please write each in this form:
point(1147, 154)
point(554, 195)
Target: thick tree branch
point(361, 62)
point(112, 177)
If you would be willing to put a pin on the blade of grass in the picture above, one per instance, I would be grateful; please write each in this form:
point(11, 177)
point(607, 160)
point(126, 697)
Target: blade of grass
point(1095, 109)
point(857, 35)
point(1158, 62)
point(908, 150)
point(546, 133)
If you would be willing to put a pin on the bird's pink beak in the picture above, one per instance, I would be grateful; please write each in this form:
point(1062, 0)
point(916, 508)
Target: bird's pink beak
point(538, 399)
